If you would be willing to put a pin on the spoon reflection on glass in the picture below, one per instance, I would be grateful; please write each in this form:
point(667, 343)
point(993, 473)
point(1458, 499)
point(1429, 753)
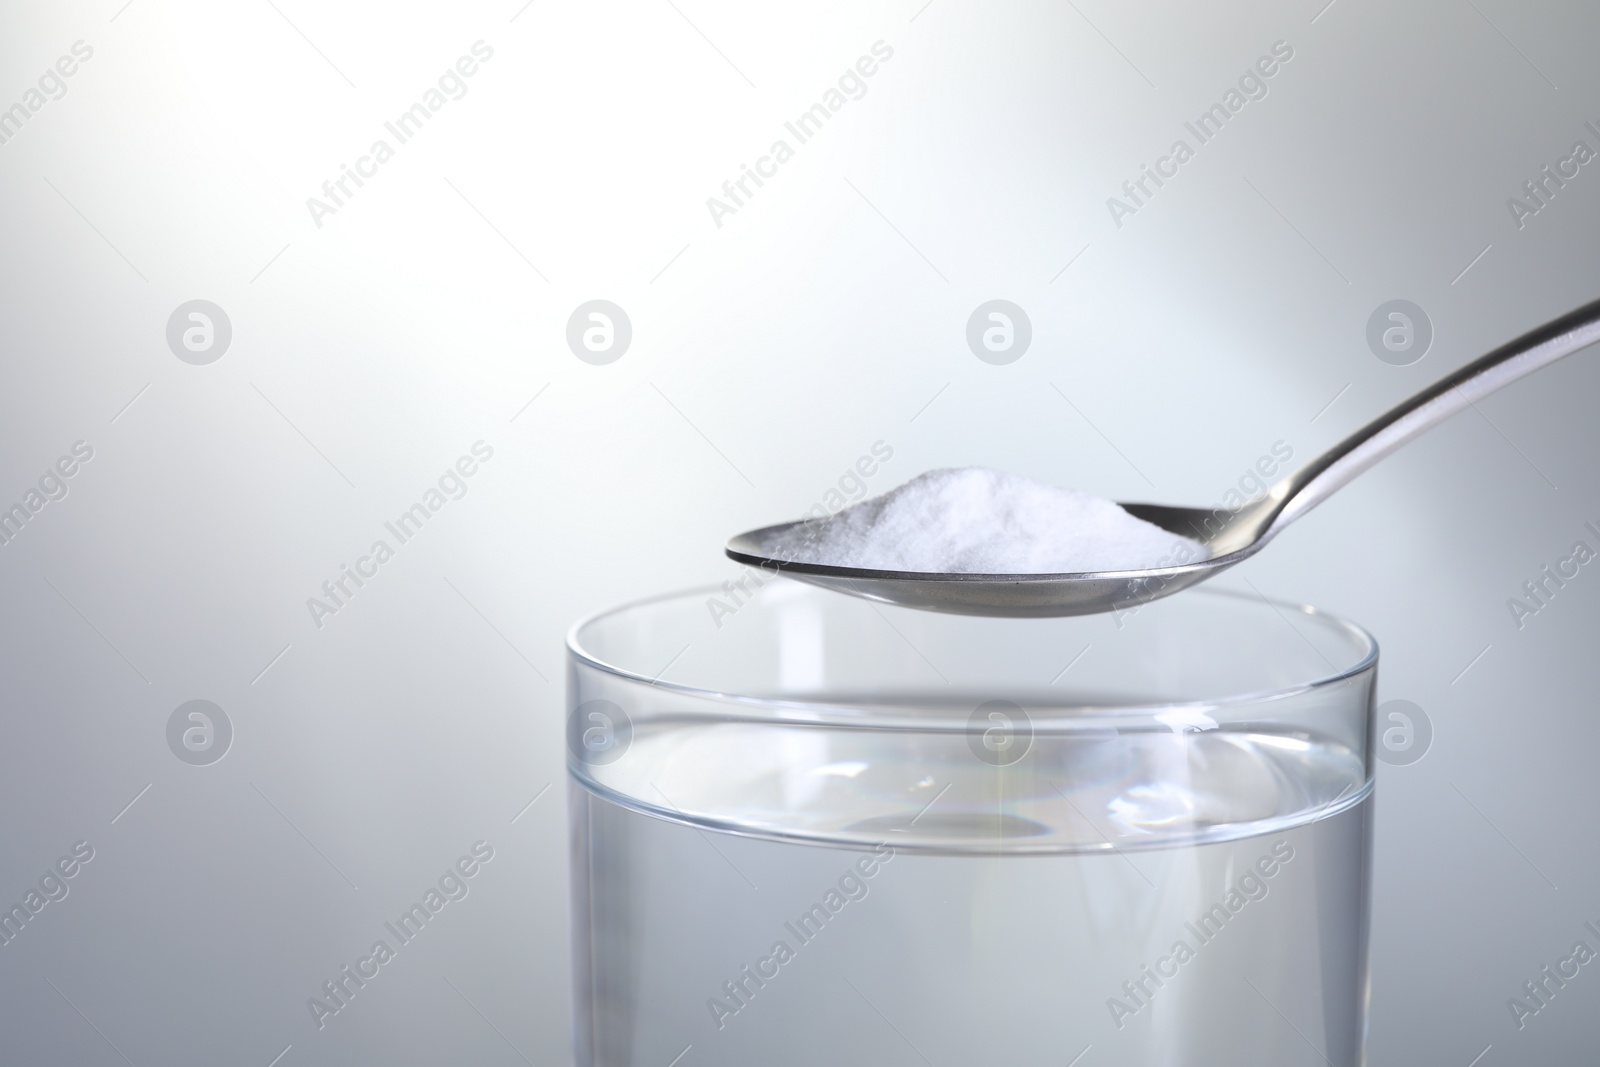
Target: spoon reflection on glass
point(1228, 536)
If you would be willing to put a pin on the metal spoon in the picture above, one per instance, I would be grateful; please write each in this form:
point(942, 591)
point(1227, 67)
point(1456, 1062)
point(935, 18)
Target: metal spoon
point(1229, 536)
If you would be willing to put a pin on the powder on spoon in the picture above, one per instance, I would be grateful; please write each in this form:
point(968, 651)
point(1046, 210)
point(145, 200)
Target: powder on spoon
point(979, 521)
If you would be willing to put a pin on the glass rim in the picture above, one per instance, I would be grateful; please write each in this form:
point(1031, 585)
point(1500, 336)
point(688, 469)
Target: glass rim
point(827, 710)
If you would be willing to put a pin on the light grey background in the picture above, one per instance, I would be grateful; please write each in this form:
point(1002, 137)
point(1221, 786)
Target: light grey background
point(767, 355)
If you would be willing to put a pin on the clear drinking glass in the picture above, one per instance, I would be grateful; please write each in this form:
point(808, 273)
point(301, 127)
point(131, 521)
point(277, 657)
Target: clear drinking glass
point(811, 829)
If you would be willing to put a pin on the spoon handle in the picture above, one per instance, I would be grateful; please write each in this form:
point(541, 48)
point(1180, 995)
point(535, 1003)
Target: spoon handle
point(1313, 483)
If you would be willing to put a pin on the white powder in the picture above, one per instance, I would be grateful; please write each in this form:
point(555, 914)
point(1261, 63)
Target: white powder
point(979, 521)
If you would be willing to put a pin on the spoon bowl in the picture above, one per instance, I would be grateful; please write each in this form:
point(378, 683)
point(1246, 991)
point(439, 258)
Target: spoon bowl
point(1009, 595)
point(1227, 536)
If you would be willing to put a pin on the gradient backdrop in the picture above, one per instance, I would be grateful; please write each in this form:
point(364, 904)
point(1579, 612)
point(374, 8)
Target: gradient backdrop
point(374, 341)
